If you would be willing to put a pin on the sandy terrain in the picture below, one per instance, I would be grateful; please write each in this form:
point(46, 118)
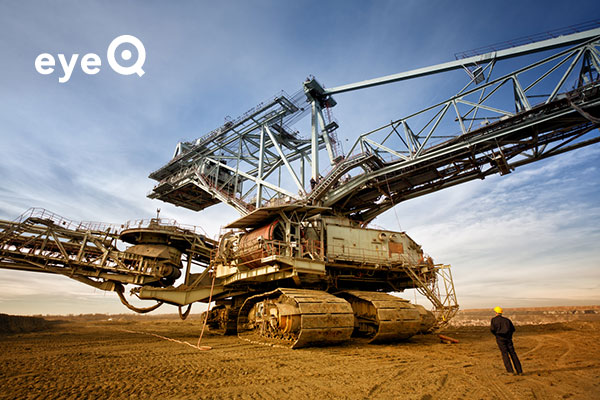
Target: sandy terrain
point(115, 360)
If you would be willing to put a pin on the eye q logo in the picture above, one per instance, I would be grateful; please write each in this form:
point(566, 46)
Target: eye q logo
point(90, 63)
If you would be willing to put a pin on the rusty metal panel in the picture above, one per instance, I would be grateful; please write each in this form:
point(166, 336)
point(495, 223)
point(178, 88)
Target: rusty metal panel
point(335, 335)
point(372, 246)
point(395, 248)
point(314, 321)
point(390, 304)
point(324, 308)
point(153, 250)
point(398, 314)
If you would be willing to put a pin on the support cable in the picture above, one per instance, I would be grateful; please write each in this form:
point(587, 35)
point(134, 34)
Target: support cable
point(392, 201)
point(212, 286)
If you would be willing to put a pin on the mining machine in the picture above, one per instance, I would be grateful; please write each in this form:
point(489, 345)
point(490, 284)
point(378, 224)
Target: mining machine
point(302, 266)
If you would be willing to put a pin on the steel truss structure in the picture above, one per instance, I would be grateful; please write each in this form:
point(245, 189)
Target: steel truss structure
point(41, 241)
point(241, 163)
point(524, 116)
point(493, 125)
point(439, 291)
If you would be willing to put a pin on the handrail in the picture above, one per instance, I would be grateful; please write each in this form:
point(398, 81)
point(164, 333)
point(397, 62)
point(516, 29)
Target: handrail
point(95, 226)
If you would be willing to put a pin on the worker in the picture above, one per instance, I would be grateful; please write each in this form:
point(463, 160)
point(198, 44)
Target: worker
point(503, 329)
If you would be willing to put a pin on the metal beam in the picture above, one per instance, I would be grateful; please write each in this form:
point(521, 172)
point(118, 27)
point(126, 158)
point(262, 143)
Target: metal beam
point(325, 135)
point(284, 159)
point(259, 188)
point(314, 137)
point(255, 179)
point(458, 64)
point(356, 183)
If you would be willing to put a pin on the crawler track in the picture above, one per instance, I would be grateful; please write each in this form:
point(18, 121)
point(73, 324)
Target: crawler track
point(223, 320)
point(386, 318)
point(296, 318)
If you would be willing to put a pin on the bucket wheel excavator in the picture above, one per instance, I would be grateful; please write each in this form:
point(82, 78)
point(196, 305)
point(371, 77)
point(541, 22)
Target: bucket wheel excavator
point(301, 266)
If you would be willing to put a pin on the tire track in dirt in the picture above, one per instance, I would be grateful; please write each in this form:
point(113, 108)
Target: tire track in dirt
point(434, 378)
point(99, 362)
point(537, 388)
point(558, 353)
point(547, 341)
point(486, 377)
point(501, 392)
point(538, 345)
point(380, 385)
point(562, 357)
point(484, 386)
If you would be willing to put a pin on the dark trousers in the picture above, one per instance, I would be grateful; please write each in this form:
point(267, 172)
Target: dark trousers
point(508, 352)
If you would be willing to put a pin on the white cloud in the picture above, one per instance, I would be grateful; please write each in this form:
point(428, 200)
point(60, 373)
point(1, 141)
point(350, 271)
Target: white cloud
point(532, 234)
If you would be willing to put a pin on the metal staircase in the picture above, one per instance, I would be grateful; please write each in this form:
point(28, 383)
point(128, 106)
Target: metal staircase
point(368, 160)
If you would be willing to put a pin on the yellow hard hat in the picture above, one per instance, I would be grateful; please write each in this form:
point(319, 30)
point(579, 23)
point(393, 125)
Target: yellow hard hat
point(498, 310)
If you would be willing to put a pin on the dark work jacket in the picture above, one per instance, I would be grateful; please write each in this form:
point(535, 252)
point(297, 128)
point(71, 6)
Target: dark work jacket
point(502, 327)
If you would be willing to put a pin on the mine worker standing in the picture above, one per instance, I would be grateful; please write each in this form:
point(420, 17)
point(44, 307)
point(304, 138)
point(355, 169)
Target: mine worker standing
point(503, 329)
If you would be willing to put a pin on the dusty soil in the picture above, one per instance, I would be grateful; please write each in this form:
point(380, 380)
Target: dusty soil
point(124, 359)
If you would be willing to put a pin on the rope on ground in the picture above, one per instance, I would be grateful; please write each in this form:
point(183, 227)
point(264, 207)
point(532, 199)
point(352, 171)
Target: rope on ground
point(183, 316)
point(197, 346)
point(167, 338)
point(263, 343)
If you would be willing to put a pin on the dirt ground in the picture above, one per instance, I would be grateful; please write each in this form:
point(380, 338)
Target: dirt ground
point(127, 359)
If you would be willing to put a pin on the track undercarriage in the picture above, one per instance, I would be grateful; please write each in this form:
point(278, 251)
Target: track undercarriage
point(382, 317)
point(223, 320)
point(298, 318)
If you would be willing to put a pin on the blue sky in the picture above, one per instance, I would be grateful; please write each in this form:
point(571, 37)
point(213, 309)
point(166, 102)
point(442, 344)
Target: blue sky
point(84, 148)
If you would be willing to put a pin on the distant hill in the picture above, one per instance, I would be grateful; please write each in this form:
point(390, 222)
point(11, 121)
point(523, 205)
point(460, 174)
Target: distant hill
point(19, 324)
point(528, 315)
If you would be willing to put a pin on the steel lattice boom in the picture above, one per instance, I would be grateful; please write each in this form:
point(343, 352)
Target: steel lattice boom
point(232, 163)
point(524, 116)
point(493, 125)
point(41, 241)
